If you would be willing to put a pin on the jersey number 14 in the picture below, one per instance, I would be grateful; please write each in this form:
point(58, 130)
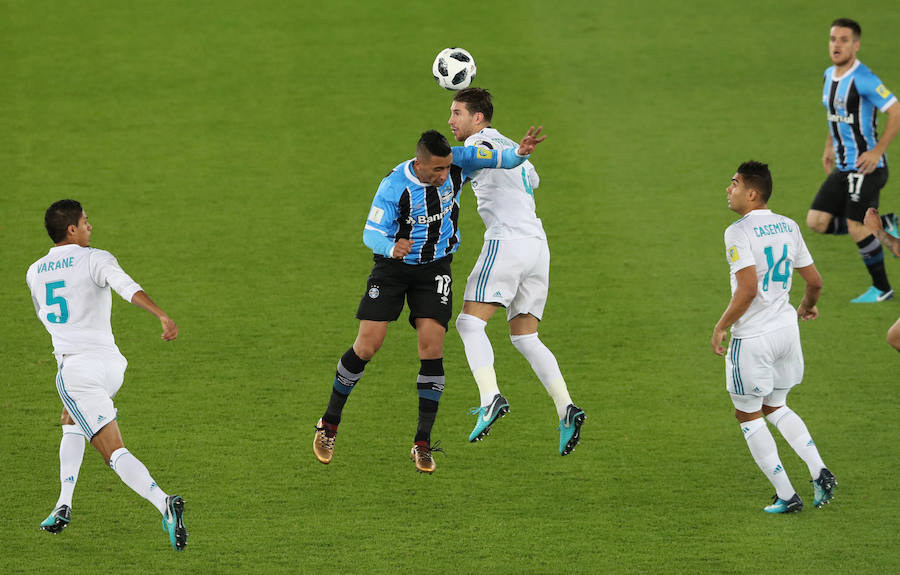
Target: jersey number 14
point(777, 272)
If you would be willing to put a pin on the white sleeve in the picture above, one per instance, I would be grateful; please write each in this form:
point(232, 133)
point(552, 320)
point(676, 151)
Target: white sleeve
point(34, 300)
point(737, 249)
point(105, 270)
point(802, 258)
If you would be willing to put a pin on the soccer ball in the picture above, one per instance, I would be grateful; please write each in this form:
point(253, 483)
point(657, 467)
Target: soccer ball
point(453, 68)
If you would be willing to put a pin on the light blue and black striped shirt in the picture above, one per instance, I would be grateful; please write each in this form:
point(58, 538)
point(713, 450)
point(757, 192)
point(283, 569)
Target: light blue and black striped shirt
point(405, 208)
point(852, 102)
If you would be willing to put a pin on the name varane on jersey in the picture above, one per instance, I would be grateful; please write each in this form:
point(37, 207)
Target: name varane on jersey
point(852, 102)
point(70, 288)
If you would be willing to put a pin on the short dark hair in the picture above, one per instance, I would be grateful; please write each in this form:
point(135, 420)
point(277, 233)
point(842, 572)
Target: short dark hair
point(476, 100)
point(60, 216)
point(756, 175)
point(848, 23)
point(433, 143)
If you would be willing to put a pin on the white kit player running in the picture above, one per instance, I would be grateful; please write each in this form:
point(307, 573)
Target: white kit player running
point(70, 287)
point(513, 271)
point(764, 359)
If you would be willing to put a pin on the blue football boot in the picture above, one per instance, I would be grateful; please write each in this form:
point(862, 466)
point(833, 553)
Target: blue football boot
point(570, 429)
point(823, 487)
point(173, 522)
point(487, 416)
point(873, 295)
point(792, 505)
point(58, 520)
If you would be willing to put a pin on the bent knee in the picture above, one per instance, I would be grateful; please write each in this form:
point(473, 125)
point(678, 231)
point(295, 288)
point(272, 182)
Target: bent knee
point(366, 350)
point(818, 221)
point(893, 336)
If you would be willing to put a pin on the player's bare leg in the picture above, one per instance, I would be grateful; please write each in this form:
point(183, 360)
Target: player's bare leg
point(820, 222)
point(869, 247)
point(893, 335)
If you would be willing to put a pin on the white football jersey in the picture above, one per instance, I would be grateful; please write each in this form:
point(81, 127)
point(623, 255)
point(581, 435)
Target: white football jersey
point(773, 244)
point(505, 197)
point(70, 289)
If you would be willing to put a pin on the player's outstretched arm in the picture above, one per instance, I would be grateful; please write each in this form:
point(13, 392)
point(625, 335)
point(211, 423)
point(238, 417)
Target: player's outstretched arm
point(740, 301)
point(807, 308)
point(873, 222)
point(169, 329)
point(530, 141)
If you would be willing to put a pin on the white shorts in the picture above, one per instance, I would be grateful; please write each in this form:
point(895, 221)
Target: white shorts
point(761, 370)
point(513, 273)
point(86, 383)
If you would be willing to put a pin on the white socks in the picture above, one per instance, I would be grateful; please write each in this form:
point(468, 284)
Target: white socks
point(71, 454)
point(480, 355)
point(544, 364)
point(765, 453)
point(136, 476)
point(794, 431)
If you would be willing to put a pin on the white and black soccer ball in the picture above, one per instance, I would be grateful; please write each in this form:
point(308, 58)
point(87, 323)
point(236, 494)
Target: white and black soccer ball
point(453, 68)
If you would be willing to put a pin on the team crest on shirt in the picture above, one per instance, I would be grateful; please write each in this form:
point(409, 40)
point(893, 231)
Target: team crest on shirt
point(733, 254)
point(374, 292)
point(882, 91)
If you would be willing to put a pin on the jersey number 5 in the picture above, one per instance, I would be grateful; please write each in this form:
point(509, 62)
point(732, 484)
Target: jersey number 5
point(778, 272)
point(63, 315)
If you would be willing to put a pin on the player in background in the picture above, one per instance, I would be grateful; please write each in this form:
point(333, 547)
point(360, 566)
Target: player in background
point(875, 224)
point(854, 156)
point(513, 271)
point(70, 287)
point(412, 229)
point(764, 359)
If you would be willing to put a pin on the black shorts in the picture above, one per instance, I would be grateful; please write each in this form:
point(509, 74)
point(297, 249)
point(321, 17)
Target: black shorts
point(425, 287)
point(850, 194)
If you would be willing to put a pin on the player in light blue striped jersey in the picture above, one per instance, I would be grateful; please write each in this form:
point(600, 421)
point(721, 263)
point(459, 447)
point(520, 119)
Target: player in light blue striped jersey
point(413, 230)
point(854, 156)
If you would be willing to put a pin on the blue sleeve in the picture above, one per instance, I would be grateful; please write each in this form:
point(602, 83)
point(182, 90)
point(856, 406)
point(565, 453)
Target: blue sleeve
point(870, 86)
point(377, 242)
point(471, 158)
point(381, 223)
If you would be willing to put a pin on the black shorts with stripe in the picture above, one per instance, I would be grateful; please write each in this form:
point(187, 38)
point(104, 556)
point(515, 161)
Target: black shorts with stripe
point(850, 194)
point(426, 288)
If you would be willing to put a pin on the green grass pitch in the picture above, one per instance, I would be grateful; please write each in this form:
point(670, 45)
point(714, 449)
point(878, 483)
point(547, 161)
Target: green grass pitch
point(227, 153)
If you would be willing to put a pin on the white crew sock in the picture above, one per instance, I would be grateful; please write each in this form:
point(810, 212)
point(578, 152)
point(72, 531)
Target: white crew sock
point(135, 475)
point(797, 435)
point(71, 454)
point(480, 355)
point(765, 453)
point(544, 364)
